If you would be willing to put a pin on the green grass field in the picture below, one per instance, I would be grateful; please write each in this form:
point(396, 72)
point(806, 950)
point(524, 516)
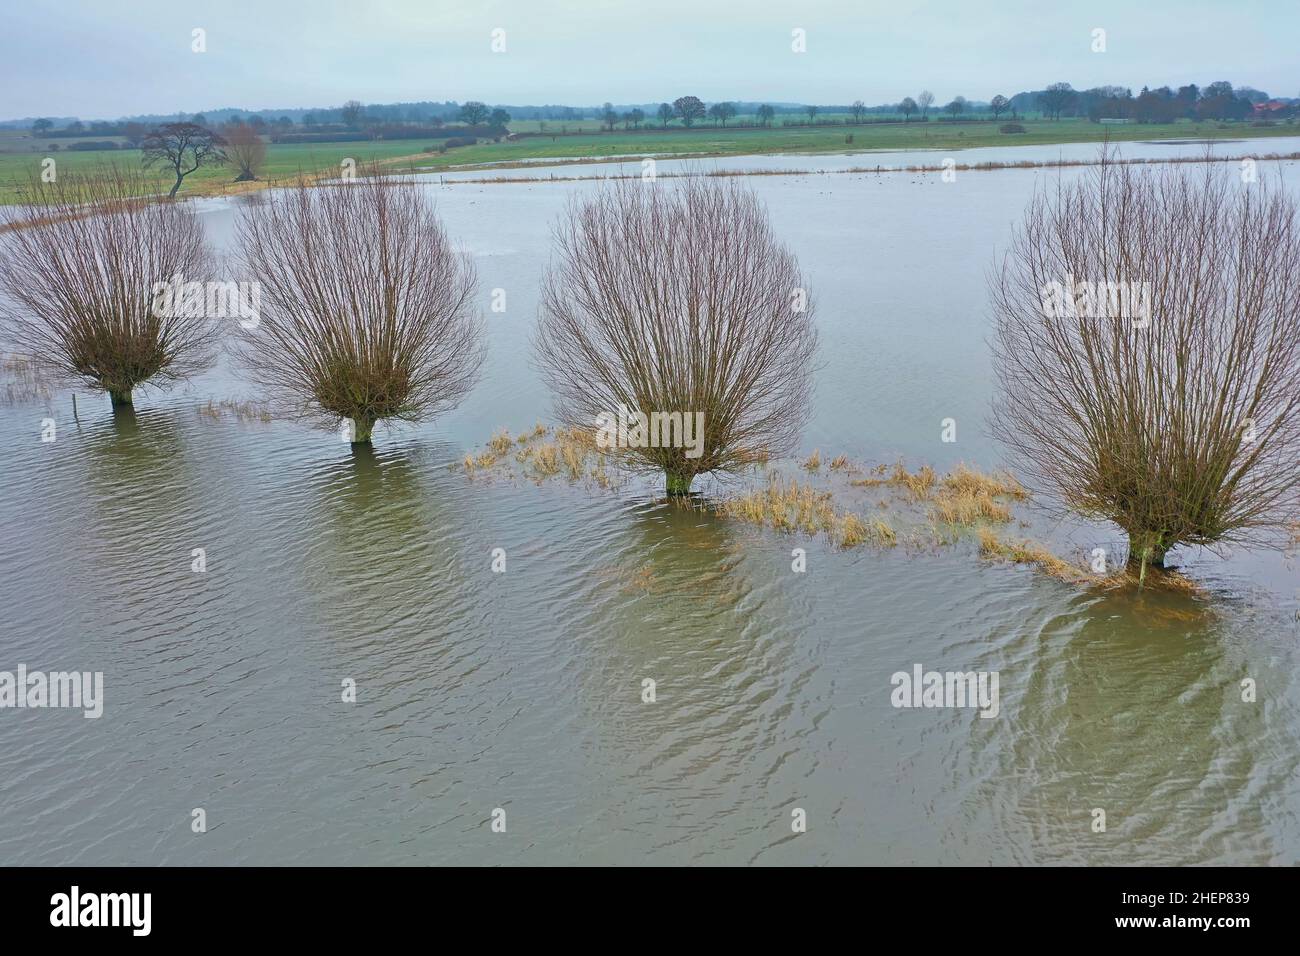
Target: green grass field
point(282, 162)
point(20, 155)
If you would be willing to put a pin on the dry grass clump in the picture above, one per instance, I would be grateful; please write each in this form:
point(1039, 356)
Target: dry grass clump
point(525, 437)
point(917, 485)
point(546, 462)
point(570, 452)
point(882, 533)
point(840, 463)
point(1027, 552)
point(574, 459)
point(963, 497)
point(796, 506)
point(500, 445)
point(813, 461)
point(853, 531)
point(1031, 553)
point(966, 480)
point(968, 507)
point(785, 506)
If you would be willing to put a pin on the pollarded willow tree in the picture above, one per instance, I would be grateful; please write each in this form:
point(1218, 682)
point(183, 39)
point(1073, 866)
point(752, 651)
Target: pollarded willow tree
point(678, 303)
point(79, 268)
point(1148, 353)
point(366, 309)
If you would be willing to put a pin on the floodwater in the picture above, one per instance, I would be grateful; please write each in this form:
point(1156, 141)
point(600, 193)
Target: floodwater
point(887, 160)
point(522, 691)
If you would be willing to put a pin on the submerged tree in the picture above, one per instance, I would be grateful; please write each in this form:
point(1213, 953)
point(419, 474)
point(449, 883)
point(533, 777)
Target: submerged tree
point(80, 268)
point(1148, 352)
point(678, 302)
point(366, 310)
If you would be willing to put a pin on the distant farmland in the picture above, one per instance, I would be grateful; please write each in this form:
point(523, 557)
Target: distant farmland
point(21, 153)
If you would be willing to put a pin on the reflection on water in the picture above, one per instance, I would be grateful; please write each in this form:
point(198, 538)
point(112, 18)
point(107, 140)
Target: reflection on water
point(523, 689)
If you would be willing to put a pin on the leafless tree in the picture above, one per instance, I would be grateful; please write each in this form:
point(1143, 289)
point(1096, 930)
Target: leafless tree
point(79, 270)
point(352, 112)
point(679, 300)
point(367, 311)
point(182, 148)
point(246, 151)
point(1179, 421)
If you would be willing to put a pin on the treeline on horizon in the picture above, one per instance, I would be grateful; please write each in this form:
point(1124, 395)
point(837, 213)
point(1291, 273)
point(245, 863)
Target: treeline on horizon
point(1218, 100)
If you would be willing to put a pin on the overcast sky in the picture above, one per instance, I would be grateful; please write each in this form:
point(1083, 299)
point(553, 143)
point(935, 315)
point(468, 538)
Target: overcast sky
point(100, 59)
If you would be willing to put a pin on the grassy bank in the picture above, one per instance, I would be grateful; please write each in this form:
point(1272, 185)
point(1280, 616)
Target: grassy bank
point(20, 154)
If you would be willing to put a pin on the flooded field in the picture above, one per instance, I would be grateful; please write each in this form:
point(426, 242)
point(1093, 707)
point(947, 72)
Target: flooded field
point(523, 690)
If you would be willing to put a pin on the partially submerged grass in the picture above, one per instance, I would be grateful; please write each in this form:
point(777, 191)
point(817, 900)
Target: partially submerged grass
point(967, 508)
point(935, 511)
point(785, 506)
point(853, 531)
point(543, 453)
point(965, 480)
point(1031, 553)
point(964, 498)
point(991, 545)
point(792, 506)
point(917, 485)
point(547, 460)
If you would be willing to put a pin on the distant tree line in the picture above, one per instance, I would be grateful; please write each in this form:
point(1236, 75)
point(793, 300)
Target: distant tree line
point(353, 120)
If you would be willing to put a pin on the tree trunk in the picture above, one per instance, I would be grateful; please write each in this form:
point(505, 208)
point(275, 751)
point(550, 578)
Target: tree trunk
point(1146, 550)
point(172, 194)
point(120, 399)
point(361, 429)
point(678, 484)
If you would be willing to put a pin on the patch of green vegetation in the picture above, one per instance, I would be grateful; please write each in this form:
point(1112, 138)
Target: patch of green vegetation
point(283, 162)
